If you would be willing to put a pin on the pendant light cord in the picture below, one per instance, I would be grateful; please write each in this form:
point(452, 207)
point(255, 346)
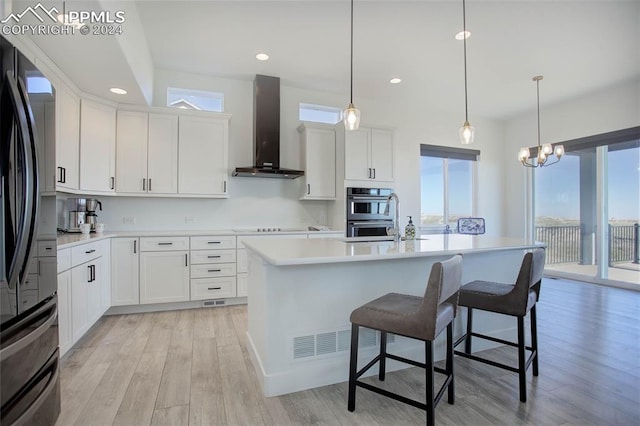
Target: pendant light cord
point(351, 92)
point(538, 100)
point(464, 34)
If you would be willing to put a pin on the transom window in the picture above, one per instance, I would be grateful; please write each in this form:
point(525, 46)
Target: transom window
point(319, 113)
point(195, 99)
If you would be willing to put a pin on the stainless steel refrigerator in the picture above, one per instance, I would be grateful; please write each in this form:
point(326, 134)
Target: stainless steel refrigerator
point(29, 360)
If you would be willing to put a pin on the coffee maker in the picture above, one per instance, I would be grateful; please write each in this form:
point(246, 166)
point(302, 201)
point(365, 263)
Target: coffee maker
point(82, 210)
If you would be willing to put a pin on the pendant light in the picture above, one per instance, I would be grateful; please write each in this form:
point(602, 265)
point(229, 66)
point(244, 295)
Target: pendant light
point(544, 151)
point(467, 131)
point(351, 115)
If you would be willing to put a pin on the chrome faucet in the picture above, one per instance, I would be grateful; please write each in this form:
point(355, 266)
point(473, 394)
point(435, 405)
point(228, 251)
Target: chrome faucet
point(396, 220)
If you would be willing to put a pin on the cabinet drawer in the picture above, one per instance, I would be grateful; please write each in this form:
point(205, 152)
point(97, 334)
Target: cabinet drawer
point(164, 243)
point(213, 256)
point(213, 242)
point(85, 253)
point(64, 260)
point(213, 270)
point(213, 288)
point(47, 248)
point(31, 283)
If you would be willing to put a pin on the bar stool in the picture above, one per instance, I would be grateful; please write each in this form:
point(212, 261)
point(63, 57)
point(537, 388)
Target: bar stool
point(421, 318)
point(508, 299)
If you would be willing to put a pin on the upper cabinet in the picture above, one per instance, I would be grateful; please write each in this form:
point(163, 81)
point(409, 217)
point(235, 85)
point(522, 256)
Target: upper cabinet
point(97, 147)
point(147, 153)
point(203, 156)
point(318, 159)
point(67, 139)
point(369, 154)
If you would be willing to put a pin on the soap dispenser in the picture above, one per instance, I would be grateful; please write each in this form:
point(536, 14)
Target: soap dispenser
point(410, 230)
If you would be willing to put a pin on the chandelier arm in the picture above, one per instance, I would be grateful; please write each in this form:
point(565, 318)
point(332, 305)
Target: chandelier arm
point(527, 164)
point(549, 164)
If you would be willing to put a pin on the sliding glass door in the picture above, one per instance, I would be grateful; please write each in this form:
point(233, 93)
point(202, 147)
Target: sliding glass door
point(587, 210)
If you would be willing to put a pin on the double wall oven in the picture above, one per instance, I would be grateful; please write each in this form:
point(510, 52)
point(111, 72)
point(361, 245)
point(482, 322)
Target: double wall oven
point(366, 212)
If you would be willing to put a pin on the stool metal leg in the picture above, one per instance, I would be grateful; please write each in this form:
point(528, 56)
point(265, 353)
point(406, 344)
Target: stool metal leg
point(383, 355)
point(353, 365)
point(428, 346)
point(522, 361)
point(449, 366)
point(534, 339)
point(467, 342)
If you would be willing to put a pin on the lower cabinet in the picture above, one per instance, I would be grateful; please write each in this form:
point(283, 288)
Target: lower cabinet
point(64, 311)
point(125, 271)
point(243, 276)
point(85, 296)
point(164, 276)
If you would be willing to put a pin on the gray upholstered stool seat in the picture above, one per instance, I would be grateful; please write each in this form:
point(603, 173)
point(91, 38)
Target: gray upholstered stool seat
point(421, 318)
point(517, 300)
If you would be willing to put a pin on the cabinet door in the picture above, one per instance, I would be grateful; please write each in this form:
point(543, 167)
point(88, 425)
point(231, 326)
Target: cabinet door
point(131, 151)
point(162, 168)
point(64, 311)
point(94, 304)
point(105, 276)
point(202, 154)
point(125, 284)
point(319, 151)
point(242, 285)
point(164, 277)
point(356, 154)
point(68, 139)
point(80, 276)
point(382, 155)
point(47, 271)
point(97, 146)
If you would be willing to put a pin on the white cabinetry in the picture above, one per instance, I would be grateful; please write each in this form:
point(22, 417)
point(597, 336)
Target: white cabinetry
point(318, 159)
point(369, 154)
point(97, 147)
point(65, 340)
point(147, 153)
point(203, 156)
point(164, 273)
point(125, 272)
point(87, 277)
point(213, 267)
point(67, 139)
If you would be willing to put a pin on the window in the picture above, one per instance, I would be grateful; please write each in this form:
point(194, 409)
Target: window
point(447, 180)
point(320, 113)
point(195, 99)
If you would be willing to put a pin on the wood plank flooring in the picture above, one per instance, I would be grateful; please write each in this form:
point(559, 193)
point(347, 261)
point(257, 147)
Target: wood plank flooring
point(192, 367)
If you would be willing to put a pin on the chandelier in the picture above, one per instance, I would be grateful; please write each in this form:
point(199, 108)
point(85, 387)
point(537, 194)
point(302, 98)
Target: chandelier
point(351, 115)
point(544, 151)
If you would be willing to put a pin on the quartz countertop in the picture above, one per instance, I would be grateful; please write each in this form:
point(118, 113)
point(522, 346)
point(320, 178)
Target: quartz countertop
point(70, 240)
point(284, 252)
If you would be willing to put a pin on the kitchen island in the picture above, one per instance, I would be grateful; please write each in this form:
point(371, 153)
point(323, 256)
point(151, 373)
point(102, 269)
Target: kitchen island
point(301, 293)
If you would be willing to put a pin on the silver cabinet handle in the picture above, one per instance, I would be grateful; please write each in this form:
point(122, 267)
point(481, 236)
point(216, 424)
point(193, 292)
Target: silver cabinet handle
point(214, 288)
point(144, 184)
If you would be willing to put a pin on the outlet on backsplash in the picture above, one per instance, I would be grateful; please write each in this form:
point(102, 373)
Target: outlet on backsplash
point(190, 219)
point(129, 220)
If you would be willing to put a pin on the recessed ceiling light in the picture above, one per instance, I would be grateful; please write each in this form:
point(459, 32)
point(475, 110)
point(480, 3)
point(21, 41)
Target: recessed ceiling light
point(118, 91)
point(463, 34)
point(395, 80)
point(262, 57)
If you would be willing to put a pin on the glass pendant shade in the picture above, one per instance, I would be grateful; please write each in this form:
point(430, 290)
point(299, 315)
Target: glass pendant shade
point(524, 154)
point(351, 117)
point(467, 133)
point(547, 149)
point(559, 151)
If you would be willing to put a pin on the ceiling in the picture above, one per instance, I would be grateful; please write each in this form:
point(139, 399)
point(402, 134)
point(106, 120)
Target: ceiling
point(579, 46)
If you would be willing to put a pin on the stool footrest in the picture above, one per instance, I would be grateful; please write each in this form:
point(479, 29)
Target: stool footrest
point(486, 361)
point(486, 337)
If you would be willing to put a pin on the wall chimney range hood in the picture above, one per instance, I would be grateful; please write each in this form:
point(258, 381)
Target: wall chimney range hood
point(266, 132)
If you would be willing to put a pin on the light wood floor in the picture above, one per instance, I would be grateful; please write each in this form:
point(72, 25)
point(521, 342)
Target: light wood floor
point(192, 367)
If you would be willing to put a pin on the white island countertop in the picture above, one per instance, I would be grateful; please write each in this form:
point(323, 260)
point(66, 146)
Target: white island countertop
point(286, 252)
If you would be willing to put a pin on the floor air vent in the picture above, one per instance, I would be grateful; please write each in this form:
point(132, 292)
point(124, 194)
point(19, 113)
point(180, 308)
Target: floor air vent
point(332, 342)
point(213, 303)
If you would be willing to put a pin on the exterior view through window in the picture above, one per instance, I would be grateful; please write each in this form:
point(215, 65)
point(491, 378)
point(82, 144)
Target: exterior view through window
point(567, 199)
point(447, 180)
point(319, 113)
point(195, 99)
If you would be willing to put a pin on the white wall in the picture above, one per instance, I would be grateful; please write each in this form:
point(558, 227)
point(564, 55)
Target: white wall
point(599, 112)
point(269, 202)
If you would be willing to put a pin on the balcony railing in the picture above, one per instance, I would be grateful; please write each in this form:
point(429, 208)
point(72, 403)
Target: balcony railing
point(564, 243)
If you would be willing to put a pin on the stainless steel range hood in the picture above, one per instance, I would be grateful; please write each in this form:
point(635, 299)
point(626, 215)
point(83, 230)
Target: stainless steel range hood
point(266, 132)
